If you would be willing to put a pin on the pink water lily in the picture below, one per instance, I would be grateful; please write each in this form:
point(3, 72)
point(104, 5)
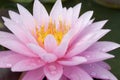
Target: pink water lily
point(59, 46)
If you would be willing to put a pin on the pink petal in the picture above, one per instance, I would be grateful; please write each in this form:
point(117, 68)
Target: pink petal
point(16, 29)
point(104, 65)
point(99, 72)
point(96, 56)
point(47, 57)
point(76, 60)
point(86, 42)
point(53, 71)
point(75, 73)
point(96, 26)
point(104, 46)
point(90, 22)
point(19, 30)
point(5, 53)
point(7, 35)
point(76, 12)
point(29, 22)
point(60, 51)
point(68, 16)
point(27, 18)
point(38, 75)
point(10, 60)
point(50, 43)
point(11, 42)
point(54, 12)
point(15, 17)
point(80, 24)
point(84, 19)
point(40, 13)
point(28, 64)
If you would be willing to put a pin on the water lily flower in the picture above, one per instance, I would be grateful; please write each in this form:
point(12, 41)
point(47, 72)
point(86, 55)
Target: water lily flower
point(59, 46)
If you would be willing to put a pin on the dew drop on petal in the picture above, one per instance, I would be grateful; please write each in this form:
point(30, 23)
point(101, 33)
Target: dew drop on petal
point(88, 56)
point(52, 69)
point(8, 65)
point(53, 72)
point(104, 76)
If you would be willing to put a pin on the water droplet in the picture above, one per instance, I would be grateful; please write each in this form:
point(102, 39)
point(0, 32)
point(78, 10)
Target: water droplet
point(53, 72)
point(8, 65)
point(104, 76)
point(53, 69)
point(88, 56)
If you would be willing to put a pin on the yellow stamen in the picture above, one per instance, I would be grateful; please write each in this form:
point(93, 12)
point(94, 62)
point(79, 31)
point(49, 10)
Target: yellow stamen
point(51, 29)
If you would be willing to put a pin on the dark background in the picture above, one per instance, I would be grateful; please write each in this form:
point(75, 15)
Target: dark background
point(100, 13)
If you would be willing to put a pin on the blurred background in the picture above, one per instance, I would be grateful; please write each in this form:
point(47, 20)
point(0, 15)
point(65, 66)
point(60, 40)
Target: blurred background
point(103, 9)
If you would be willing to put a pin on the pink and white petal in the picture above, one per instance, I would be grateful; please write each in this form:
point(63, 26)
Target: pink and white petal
point(76, 73)
point(61, 49)
point(29, 23)
point(40, 13)
point(68, 16)
point(104, 46)
point(104, 65)
point(96, 56)
point(86, 42)
point(14, 45)
point(90, 22)
point(76, 12)
point(96, 26)
point(38, 74)
point(80, 24)
point(10, 60)
point(55, 14)
point(99, 72)
point(47, 57)
point(80, 46)
point(76, 60)
point(7, 35)
point(19, 30)
point(53, 71)
point(15, 17)
point(50, 43)
point(27, 18)
point(28, 64)
point(15, 28)
point(84, 19)
point(5, 53)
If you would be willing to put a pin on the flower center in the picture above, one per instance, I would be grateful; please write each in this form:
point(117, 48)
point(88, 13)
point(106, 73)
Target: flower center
point(58, 33)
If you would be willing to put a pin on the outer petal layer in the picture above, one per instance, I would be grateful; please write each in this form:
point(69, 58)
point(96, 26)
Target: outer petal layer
point(28, 64)
point(38, 75)
point(76, 60)
point(9, 58)
point(14, 44)
point(96, 56)
point(103, 46)
point(75, 73)
point(99, 72)
point(53, 71)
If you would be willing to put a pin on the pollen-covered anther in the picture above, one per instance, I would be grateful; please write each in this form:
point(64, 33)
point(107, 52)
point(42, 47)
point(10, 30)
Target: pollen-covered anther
point(58, 33)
